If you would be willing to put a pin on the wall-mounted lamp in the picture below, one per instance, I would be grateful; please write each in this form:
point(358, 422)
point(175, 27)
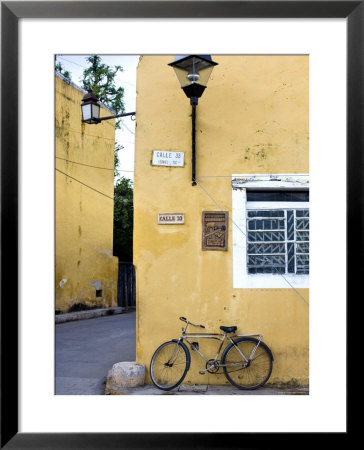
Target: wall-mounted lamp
point(90, 108)
point(193, 73)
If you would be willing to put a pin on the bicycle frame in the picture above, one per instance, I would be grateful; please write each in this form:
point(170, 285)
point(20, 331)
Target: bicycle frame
point(222, 337)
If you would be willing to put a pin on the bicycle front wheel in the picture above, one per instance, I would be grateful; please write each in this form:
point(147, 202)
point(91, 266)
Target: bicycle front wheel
point(250, 372)
point(169, 365)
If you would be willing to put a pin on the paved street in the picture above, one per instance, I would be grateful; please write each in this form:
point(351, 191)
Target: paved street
point(87, 349)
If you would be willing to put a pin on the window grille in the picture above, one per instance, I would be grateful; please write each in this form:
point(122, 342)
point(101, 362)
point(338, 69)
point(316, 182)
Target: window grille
point(278, 241)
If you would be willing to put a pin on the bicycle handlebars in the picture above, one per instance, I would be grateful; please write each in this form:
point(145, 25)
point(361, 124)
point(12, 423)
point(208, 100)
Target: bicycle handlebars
point(190, 323)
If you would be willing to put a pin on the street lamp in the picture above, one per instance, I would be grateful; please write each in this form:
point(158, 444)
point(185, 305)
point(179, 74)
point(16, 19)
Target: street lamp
point(193, 73)
point(90, 108)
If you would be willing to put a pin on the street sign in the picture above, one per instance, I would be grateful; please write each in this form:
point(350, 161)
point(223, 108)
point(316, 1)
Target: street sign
point(167, 158)
point(171, 219)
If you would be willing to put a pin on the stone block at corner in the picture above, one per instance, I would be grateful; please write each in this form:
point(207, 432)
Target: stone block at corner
point(124, 375)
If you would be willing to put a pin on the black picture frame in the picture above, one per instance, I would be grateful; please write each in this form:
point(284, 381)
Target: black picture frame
point(11, 12)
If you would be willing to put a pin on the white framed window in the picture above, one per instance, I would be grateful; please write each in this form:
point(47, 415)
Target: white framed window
point(270, 231)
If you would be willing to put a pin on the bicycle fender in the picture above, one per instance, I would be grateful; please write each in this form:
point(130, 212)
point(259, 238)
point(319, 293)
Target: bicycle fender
point(182, 344)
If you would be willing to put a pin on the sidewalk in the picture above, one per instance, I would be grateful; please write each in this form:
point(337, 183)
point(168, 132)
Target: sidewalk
point(88, 314)
point(208, 390)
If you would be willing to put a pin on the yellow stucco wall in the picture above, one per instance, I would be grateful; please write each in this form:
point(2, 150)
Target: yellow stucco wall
point(84, 217)
point(252, 118)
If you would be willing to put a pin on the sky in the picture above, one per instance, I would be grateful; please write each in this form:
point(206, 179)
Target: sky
point(75, 64)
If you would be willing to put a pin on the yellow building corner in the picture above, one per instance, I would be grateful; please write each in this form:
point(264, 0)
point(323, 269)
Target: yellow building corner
point(252, 135)
point(85, 269)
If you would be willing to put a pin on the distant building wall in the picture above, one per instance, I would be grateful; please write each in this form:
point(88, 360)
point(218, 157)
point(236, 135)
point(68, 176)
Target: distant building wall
point(86, 270)
point(252, 119)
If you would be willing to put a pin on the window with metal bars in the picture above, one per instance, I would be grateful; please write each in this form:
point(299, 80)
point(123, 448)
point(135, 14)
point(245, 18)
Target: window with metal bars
point(277, 233)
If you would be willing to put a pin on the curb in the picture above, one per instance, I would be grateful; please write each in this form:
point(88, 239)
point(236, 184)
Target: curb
point(89, 314)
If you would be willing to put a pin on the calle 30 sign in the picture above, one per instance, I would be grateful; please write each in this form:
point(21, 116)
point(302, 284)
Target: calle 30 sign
point(171, 219)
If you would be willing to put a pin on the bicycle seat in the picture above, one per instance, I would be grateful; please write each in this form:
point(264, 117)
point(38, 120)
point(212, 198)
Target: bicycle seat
point(228, 329)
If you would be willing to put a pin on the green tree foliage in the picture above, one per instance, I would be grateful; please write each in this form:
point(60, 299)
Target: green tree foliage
point(123, 219)
point(100, 78)
point(60, 69)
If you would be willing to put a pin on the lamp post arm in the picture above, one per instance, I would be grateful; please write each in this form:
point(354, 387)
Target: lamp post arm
point(117, 116)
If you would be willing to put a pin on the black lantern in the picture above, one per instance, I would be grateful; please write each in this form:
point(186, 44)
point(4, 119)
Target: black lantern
point(90, 108)
point(193, 73)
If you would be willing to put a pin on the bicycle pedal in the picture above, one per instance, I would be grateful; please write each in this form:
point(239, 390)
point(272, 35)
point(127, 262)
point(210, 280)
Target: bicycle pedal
point(202, 372)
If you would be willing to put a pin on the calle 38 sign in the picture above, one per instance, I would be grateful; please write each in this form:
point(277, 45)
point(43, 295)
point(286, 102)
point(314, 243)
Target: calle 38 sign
point(167, 158)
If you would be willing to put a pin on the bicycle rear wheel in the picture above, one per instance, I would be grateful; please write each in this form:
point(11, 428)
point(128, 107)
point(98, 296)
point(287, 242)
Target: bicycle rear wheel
point(251, 374)
point(169, 365)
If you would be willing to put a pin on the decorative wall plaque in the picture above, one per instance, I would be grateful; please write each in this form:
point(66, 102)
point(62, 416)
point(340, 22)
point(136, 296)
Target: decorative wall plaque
point(215, 230)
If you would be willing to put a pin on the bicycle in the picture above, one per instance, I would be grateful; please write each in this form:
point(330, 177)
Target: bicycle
point(247, 362)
